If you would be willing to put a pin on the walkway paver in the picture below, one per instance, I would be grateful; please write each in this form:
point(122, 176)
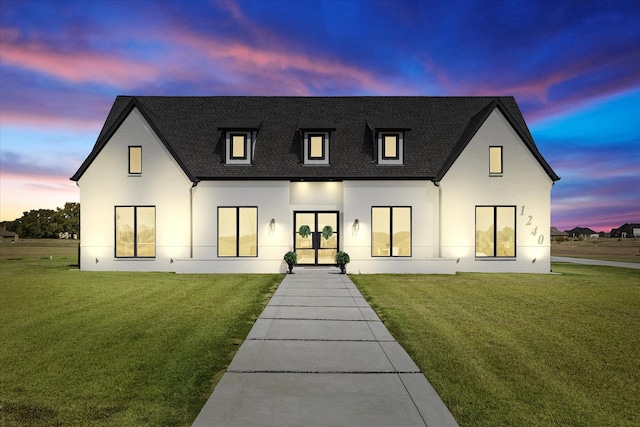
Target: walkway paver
point(320, 356)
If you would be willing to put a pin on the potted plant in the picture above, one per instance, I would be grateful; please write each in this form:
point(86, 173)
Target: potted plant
point(304, 231)
point(291, 258)
point(342, 259)
point(327, 232)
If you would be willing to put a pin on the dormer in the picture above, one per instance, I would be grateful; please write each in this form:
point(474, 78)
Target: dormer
point(388, 143)
point(239, 144)
point(316, 142)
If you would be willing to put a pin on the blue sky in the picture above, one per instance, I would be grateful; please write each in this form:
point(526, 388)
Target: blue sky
point(573, 67)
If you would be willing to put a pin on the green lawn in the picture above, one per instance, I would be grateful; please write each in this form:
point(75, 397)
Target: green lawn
point(520, 349)
point(114, 349)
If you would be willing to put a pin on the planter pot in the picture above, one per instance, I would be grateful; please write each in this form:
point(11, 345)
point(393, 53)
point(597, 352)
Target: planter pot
point(291, 268)
point(343, 268)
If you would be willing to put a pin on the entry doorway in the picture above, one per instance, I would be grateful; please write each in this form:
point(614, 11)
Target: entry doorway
point(314, 248)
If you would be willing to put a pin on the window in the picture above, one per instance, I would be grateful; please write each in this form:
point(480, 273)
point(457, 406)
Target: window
point(390, 150)
point(135, 231)
point(495, 160)
point(239, 147)
point(495, 231)
point(135, 160)
point(316, 148)
point(390, 231)
point(237, 231)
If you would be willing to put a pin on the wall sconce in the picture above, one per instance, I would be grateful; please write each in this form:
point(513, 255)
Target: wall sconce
point(171, 261)
point(272, 225)
point(356, 225)
point(534, 261)
point(97, 260)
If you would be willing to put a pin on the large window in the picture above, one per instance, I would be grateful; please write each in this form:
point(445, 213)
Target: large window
point(237, 231)
point(495, 231)
point(135, 160)
point(135, 231)
point(495, 160)
point(390, 231)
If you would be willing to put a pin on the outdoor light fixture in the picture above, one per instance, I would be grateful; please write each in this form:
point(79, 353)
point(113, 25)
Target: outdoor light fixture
point(534, 261)
point(97, 260)
point(171, 261)
point(272, 225)
point(356, 225)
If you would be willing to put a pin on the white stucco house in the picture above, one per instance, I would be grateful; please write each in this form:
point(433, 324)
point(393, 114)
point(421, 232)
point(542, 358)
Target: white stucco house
point(402, 184)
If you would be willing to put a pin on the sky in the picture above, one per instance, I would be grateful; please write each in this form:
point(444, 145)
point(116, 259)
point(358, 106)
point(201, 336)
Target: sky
point(573, 67)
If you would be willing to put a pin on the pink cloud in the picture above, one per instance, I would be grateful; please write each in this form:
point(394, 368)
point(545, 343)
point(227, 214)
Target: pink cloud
point(72, 66)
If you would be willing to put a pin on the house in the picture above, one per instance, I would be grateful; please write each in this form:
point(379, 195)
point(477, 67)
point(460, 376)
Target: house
point(585, 233)
point(626, 230)
point(558, 235)
point(4, 234)
point(402, 184)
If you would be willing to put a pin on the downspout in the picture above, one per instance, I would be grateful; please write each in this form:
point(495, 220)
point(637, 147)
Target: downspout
point(437, 184)
point(195, 183)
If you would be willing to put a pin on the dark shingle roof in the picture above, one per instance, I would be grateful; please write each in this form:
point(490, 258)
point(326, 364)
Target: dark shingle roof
point(436, 131)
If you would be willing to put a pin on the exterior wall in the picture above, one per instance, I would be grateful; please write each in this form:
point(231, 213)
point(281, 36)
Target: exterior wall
point(523, 184)
point(422, 196)
point(107, 184)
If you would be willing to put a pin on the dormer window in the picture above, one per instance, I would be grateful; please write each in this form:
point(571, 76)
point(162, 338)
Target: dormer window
point(390, 148)
point(135, 160)
point(239, 146)
point(316, 148)
point(238, 149)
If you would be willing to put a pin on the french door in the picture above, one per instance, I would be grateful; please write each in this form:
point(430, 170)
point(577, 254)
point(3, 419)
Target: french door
point(320, 244)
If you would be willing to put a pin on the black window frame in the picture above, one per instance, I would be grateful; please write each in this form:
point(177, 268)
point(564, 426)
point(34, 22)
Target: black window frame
point(495, 232)
point(135, 231)
point(383, 136)
point(237, 209)
point(323, 144)
point(391, 208)
point(129, 152)
point(244, 145)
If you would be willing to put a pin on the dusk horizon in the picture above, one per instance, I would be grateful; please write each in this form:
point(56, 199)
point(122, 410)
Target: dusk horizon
point(572, 66)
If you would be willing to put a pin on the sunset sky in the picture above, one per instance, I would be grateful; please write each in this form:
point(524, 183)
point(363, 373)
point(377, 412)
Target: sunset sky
point(573, 67)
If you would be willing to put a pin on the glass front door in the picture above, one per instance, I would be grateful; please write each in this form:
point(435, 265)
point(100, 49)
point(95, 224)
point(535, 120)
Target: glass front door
point(318, 243)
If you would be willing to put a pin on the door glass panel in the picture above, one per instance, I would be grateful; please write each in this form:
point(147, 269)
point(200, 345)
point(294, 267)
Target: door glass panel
point(331, 220)
point(326, 256)
point(306, 256)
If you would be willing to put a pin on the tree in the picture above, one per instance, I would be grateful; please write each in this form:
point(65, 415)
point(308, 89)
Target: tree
point(47, 223)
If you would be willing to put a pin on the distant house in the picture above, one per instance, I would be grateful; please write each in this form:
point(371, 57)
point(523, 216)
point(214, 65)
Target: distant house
point(626, 230)
point(556, 234)
point(230, 184)
point(585, 233)
point(4, 234)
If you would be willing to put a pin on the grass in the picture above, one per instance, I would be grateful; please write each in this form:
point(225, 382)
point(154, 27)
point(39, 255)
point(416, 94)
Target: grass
point(603, 248)
point(520, 349)
point(114, 349)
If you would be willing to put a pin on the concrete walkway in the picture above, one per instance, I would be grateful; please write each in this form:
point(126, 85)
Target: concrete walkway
point(320, 356)
point(595, 262)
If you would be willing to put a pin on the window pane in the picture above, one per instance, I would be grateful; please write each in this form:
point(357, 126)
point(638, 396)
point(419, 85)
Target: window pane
point(316, 147)
point(226, 232)
point(238, 146)
point(401, 232)
point(391, 146)
point(506, 233)
point(248, 239)
point(495, 159)
point(135, 159)
point(124, 231)
point(380, 231)
point(146, 231)
point(484, 231)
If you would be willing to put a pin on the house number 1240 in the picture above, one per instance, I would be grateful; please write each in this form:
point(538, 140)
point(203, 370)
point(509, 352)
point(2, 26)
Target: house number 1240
point(530, 223)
